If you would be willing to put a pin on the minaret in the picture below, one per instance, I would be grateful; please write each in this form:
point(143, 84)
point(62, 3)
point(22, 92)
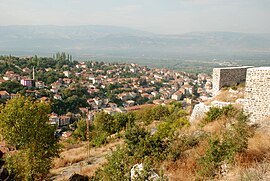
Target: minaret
point(33, 76)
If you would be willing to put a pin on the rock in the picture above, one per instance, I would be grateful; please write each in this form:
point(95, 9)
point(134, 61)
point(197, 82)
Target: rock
point(199, 112)
point(1, 154)
point(1, 163)
point(78, 177)
point(138, 169)
point(4, 174)
point(221, 104)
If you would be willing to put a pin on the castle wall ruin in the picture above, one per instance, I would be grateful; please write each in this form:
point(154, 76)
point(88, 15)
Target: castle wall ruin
point(228, 76)
point(256, 102)
point(257, 94)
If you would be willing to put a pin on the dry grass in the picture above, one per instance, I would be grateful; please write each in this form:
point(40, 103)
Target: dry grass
point(226, 96)
point(182, 169)
point(259, 171)
point(258, 150)
point(254, 164)
point(71, 156)
point(90, 170)
point(217, 126)
point(77, 160)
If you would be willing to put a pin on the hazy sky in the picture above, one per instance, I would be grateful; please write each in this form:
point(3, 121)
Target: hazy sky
point(159, 16)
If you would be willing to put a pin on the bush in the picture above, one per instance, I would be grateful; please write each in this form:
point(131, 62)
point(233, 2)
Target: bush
point(117, 168)
point(167, 129)
point(133, 137)
point(224, 147)
point(113, 123)
point(214, 113)
point(180, 144)
point(98, 138)
point(81, 129)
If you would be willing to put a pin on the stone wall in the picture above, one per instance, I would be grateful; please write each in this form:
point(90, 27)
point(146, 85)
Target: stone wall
point(228, 76)
point(198, 112)
point(201, 109)
point(257, 94)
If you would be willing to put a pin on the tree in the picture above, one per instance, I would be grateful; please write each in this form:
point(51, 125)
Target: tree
point(24, 125)
point(104, 122)
point(81, 130)
point(12, 86)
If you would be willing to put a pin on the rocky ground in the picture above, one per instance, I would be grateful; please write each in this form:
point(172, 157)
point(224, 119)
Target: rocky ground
point(80, 160)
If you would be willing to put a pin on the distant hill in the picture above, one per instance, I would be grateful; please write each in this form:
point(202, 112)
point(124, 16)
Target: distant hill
point(111, 41)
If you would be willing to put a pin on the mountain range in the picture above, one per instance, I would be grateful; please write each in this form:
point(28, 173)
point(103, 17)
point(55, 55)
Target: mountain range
point(112, 41)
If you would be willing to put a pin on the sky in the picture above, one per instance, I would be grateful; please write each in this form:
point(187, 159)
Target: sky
point(157, 16)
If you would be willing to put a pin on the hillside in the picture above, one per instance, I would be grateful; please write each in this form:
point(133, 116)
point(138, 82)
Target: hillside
point(111, 41)
point(223, 146)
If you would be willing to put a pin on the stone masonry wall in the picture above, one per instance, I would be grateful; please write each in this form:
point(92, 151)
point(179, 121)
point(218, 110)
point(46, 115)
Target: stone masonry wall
point(228, 76)
point(257, 94)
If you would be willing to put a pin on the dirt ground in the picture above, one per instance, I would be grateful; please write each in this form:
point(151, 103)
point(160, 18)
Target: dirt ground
point(80, 160)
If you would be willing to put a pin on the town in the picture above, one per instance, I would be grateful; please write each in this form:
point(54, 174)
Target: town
point(102, 119)
point(80, 89)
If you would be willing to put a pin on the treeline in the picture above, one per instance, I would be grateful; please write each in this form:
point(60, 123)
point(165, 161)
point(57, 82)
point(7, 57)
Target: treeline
point(56, 62)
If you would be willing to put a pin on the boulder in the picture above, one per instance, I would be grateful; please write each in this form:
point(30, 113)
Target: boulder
point(1, 154)
point(4, 174)
point(138, 169)
point(78, 177)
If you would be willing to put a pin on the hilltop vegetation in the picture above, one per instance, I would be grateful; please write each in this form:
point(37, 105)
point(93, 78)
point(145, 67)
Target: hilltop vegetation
point(203, 152)
point(161, 138)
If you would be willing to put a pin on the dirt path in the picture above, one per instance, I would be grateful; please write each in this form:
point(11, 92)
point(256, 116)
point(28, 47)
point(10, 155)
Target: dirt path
point(78, 160)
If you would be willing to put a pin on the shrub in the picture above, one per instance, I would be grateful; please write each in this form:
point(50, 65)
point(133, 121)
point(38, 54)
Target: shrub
point(167, 129)
point(98, 138)
point(117, 168)
point(214, 113)
point(224, 147)
point(141, 144)
point(122, 119)
point(133, 136)
point(81, 129)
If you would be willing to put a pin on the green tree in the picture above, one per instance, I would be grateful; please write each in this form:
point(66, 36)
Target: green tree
point(122, 119)
point(12, 86)
point(23, 124)
point(81, 130)
point(105, 122)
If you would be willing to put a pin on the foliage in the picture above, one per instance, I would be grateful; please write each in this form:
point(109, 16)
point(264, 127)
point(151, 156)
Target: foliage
point(122, 119)
point(81, 129)
point(151, 113)
point(167, 129)
point(7, 66)
point(98, 138)
point(71, 101)
point(179, 144)
point(117, 168)
point(141, 144)
point(23, 124)
point(104, 122)
point(223, 147)
point(133, 136)
point(214, 113)
point(175, 105)
point(113, 123)
point(49, 77)
point(12, 87)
